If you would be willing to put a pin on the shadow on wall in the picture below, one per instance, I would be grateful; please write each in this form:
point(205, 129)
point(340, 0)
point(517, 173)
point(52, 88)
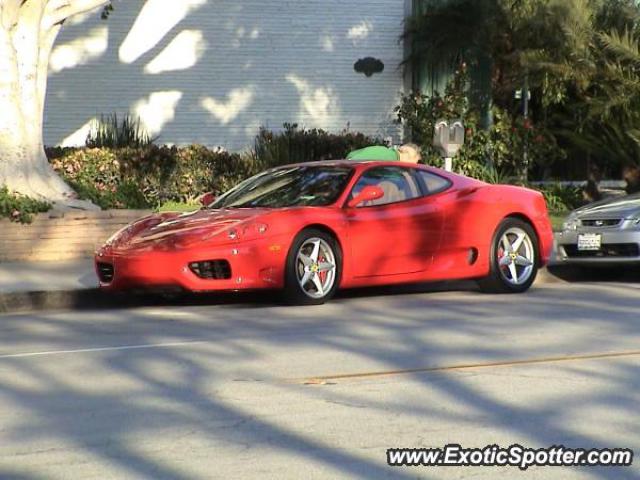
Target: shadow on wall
point(208, 72)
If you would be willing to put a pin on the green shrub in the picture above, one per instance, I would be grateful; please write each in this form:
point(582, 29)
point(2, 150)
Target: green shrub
point(19, 208)
point(111, 132)
point(150, 176)
point(294, 145)
point(560, 198)
point(491, 174)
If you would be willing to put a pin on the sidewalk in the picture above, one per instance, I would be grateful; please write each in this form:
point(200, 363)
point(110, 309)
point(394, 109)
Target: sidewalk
point(48, 276)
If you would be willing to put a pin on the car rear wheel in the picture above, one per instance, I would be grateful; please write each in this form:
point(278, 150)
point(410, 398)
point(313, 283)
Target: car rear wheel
point(313, 269)
point(513, 258)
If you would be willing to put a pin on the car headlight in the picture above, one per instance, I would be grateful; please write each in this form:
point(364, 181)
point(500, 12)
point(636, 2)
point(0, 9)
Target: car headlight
point(247, 232)
point(571, 223)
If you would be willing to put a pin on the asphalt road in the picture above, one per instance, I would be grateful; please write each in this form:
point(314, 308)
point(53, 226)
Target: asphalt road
point(248, 390)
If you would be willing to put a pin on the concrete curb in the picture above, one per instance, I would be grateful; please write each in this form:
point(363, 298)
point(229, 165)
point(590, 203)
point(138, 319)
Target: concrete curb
point(17, 302)
point(547, 275)
point(96, 299)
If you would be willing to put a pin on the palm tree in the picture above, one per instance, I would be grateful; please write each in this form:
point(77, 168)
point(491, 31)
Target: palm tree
point(602, 115)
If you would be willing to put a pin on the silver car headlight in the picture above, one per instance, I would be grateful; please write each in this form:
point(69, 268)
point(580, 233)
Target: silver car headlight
point(571, 223)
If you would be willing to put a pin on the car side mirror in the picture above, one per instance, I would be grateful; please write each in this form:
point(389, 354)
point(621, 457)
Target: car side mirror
point(368, 193)
point(207, 199)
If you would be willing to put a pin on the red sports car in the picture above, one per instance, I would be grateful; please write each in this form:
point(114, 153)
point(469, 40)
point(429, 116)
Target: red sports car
point(312, 228)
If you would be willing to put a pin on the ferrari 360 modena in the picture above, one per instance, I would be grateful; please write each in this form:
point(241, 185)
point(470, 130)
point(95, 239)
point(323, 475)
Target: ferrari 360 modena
point(311, 228)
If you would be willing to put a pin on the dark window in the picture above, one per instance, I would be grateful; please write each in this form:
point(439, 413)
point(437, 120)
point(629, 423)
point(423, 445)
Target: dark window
point(432, 183)
point(398, 185)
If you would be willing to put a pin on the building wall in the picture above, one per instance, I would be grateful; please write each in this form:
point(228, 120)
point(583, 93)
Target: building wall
point(214, 71)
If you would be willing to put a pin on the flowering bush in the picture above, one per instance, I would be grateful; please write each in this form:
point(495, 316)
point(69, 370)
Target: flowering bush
point(500, 148)
point(19, 208)
point(149, 176)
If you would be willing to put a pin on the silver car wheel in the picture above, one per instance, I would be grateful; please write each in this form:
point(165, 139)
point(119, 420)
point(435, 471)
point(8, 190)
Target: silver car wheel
point(316, 267)
point(516, 256)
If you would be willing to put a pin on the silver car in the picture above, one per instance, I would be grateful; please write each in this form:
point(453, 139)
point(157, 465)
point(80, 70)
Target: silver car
point(602, 233)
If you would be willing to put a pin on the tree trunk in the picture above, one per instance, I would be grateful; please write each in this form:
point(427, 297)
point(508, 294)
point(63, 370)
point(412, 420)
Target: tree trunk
point(26, 42)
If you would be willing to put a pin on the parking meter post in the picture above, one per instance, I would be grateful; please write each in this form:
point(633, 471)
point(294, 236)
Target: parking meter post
point(448, 139)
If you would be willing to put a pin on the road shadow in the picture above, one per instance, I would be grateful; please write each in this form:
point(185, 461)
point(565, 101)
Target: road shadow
point(182, 390)
point(583, 274)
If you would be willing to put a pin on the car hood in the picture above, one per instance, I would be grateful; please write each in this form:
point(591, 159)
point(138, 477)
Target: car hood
point(174, 229)
point(627, 206)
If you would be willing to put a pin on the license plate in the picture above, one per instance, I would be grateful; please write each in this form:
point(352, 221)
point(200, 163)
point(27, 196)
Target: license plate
point(589, 241)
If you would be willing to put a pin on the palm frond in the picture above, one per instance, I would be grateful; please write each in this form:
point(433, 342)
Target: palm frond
point(634, 134)
point(622, 45)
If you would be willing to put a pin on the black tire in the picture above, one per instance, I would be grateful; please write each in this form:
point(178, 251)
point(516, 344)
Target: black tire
point(498, 280)
point(293, 293)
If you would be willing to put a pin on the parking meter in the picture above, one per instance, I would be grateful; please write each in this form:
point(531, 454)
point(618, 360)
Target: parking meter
point(448, 138)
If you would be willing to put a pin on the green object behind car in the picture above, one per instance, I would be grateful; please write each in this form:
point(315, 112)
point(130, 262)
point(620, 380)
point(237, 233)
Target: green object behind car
point(377, 152)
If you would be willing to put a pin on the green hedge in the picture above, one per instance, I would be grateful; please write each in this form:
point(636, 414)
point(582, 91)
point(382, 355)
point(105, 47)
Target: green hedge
point(562, 199)
point(150, 176)
point(293, 145)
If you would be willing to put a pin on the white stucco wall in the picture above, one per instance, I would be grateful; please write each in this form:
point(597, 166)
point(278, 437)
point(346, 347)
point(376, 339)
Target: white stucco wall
point(213, 71)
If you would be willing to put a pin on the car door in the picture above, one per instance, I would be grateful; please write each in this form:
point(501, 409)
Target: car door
point(398, 233)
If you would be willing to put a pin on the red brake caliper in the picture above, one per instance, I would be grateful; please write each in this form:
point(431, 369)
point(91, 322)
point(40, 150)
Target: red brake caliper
point(500, 255)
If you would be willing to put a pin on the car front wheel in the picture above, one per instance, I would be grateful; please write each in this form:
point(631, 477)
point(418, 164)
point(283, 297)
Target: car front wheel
point(513, 258)
point(313, 268)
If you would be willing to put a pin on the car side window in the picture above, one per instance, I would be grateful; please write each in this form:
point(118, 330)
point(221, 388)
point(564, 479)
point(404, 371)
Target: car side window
point(397, 183)
point(432, 183)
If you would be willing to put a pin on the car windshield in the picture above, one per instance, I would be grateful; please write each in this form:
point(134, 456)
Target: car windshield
point(302, 185)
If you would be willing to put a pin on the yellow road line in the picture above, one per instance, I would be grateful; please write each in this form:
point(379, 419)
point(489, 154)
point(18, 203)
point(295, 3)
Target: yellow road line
point(471, 366)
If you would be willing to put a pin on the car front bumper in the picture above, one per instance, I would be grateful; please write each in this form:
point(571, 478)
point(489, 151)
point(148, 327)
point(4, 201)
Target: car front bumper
point(618, 247)
point(251, 267)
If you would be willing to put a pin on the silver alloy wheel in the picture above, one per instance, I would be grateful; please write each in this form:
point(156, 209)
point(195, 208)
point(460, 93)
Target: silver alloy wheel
point(316, 267)
point(516, 256)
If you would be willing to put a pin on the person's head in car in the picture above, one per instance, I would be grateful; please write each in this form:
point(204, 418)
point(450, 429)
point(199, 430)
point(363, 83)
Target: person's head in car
point(409, 153)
